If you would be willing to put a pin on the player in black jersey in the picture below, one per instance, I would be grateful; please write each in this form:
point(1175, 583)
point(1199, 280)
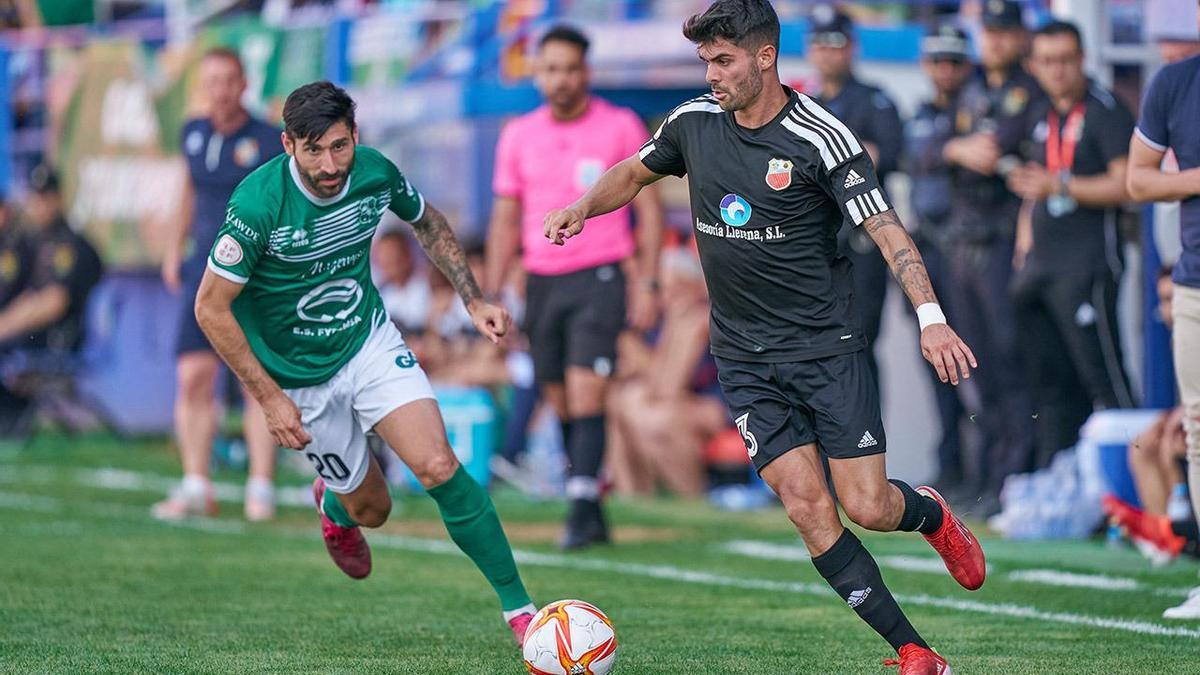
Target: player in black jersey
point(771, 176)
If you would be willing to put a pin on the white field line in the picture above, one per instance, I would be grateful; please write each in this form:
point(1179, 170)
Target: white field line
point(909, 563)
point(664, 572)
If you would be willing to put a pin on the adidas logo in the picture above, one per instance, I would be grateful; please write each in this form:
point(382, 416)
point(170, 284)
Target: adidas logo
point(867, 441)
point(853, 179)
point(858, 597)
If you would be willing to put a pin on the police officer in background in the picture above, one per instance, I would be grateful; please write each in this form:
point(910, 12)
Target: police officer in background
point(41, 320)
point(873, 116)
point(991, 123)
point(945, 61)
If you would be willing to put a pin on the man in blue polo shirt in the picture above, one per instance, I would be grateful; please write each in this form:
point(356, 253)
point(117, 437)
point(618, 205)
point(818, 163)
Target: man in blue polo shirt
point(221, 149)
point(1168, 125)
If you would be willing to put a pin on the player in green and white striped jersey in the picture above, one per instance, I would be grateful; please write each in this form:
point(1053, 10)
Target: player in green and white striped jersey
point(288, 303)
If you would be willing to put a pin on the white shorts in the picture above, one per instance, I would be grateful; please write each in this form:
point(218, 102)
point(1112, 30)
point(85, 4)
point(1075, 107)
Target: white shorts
point(338, 414)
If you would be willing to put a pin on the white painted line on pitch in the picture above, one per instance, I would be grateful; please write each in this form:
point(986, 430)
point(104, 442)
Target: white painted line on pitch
point(136, 481)
point(765, 550)
point(664, 572)
point(1068, 579)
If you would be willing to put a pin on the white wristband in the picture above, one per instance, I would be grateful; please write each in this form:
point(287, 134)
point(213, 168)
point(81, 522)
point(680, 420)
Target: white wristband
point(929, 314)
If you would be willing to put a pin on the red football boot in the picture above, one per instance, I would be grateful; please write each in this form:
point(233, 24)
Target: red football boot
point(958, 547)
point(1144, 527)
point(519, 624)
point(917, 660)
point(346, 545)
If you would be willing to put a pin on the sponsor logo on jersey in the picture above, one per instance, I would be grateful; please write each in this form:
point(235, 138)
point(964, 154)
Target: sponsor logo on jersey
point(227, 251)
point(406, 360)
point(194, 142)
point(735, 211)
point(853, 179)
point(331, 301)
point(369, 211)
point(779, 174)
point(246, 153)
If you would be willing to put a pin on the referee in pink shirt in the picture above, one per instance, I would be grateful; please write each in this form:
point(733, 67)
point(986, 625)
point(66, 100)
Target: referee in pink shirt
point(576, 297)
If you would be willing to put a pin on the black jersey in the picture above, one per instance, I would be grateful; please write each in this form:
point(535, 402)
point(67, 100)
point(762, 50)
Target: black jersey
point(766, 206)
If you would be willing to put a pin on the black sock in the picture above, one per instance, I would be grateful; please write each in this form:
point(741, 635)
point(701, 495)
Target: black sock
point(921, 514)
point(854, 575)
point(585, 454)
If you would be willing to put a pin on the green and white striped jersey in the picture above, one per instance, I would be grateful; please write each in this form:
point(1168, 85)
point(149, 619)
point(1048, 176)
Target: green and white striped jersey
point(308, 303)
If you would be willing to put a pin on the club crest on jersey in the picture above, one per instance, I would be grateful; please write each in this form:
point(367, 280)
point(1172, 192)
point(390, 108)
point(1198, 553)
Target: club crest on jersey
point(779, 174)
point(245, 153)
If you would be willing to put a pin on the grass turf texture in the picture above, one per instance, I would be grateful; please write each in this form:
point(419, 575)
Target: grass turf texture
point(91, 584)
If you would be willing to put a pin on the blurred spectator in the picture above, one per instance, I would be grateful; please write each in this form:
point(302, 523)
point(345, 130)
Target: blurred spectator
point(1068, 252)
point(990, 125)
point(220, 149)
point(41, 324)
point(1155, 455)
point(19, 14)
point(666, 404)
point(872, 115)
point(452, 351)
point(944, 59)
point(405, 291)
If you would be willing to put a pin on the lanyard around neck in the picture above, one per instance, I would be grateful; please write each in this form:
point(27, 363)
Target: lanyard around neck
point(1060, 147)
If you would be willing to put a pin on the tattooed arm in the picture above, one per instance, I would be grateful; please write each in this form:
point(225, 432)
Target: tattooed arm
point(435, 236)
point(940, 345)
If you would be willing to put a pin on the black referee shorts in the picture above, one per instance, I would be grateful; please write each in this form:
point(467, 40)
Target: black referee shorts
point(833, 402)
point(574, 320)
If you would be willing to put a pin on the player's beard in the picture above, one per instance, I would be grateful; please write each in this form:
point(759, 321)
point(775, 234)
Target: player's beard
point(744, 93)
point(320, 190)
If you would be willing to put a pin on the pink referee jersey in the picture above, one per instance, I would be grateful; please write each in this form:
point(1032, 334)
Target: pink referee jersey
point(547, 164)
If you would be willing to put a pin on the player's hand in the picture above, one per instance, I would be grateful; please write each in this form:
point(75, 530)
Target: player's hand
point(950, 356)
point(562, 224)
point(492, 321)
point(170, 271)
point(1021, 248)
point(643, 308)
point(283, 419)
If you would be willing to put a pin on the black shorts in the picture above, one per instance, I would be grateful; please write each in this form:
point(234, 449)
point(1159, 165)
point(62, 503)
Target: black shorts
point(832, 402)
point(189, 338)
point(574, 320)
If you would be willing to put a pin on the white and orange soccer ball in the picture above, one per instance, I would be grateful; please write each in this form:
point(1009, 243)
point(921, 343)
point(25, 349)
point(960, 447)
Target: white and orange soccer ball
point(570, 637)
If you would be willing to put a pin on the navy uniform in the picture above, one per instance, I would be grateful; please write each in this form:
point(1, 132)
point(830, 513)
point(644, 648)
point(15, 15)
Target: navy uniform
point(873, 116)
point(980, 236)
point(925, 137)
point(216, 164)
point(15, 260)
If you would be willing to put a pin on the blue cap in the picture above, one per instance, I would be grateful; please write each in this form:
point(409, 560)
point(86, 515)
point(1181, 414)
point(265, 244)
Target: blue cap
point(830, 27)
point(947, 41)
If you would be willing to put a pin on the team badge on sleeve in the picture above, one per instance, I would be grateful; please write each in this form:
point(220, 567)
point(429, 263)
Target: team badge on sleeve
point(779, 174)
point(228, 251)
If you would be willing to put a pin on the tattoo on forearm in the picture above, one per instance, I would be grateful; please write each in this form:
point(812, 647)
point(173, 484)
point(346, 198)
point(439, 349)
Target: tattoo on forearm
point(905, 263)
point(435, 236)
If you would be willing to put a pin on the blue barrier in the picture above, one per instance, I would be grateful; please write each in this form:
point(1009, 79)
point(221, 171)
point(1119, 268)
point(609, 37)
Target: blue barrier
point(472, 421)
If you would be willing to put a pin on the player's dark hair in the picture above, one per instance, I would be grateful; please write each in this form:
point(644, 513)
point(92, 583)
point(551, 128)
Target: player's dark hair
point(564, 33)
point(312, 109)
point(224, 53)
point(1061, 28)
point(749, 24)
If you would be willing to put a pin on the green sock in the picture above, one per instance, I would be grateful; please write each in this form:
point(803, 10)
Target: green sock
point(334, 510)
point(472, 522)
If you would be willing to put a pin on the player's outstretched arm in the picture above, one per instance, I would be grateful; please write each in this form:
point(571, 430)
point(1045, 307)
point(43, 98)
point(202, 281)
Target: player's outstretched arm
point(437, 238)
point(616, 188)
point(940, 345)
point(214, 313)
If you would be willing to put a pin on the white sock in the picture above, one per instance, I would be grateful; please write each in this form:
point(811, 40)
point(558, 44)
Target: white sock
point(195, 485)
point(260, 489)
point(513, 613)
point(583, 487)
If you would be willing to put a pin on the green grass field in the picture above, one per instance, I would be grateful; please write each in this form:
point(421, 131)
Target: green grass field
point(89, 583)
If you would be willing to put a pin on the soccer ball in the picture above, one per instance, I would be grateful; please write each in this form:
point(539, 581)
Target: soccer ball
point(570, 637)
